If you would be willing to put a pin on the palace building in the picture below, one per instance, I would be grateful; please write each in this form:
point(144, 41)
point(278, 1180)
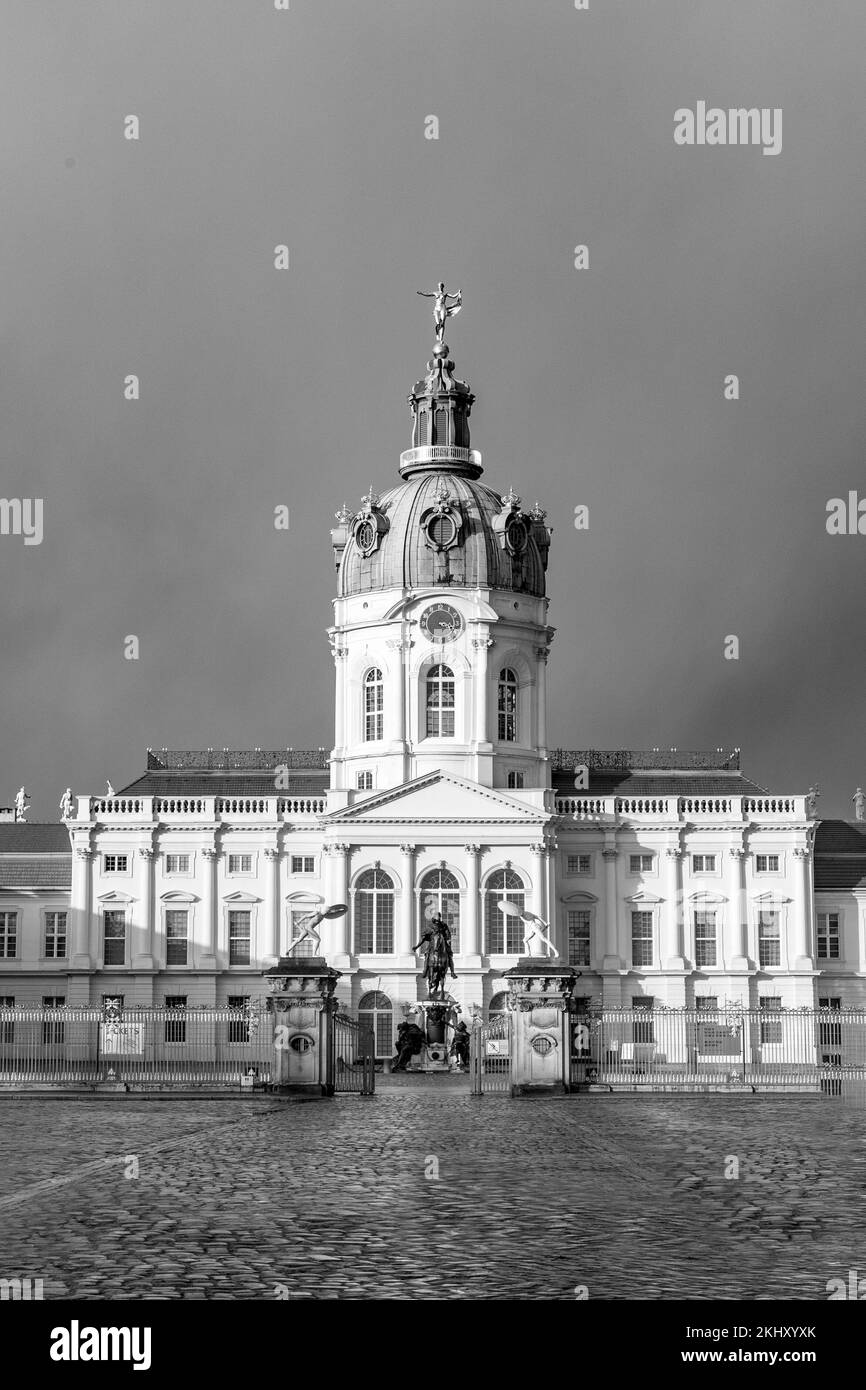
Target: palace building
point(667, 879)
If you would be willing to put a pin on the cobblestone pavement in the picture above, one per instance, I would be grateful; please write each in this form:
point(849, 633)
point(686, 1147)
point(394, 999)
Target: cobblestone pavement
point(248, 1199)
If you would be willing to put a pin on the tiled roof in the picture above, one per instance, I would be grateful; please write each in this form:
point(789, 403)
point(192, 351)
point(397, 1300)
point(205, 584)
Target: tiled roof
point(832, 872)
point(841, 837)
point(226, 784)
point(24, 837)
point(661, 783)
point(840, 855)
point(36, 872)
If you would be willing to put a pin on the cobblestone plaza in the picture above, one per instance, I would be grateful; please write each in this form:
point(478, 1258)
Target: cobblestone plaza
point(602, 1197)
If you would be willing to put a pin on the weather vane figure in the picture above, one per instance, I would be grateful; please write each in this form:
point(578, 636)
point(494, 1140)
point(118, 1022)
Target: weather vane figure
point(442, 310)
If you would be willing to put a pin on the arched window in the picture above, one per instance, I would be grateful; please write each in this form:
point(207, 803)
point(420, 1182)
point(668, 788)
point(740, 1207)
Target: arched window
point(440, 894)
point(374, 699)
point(498, 1003)
point(440, 702)
point(365, 781)
point(507, 705)
point(376, 1011)
point(374, 913)
point(504, 934)
point(515, 780)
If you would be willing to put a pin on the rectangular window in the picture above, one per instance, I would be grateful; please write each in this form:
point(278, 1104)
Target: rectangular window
point(177, 863)
point(705, 939)
point(53, 1030)
point(641, 863)
point(175, 1028)
point(703, 863)
point(828, 936)
point(707, 1003)
point(7, 1025)
point(578, 864)
point(8, 935)
point(578, 936)
point(239, 1028)
point(766, 863)
point(643, 1027)
point(240, 863)
point(55, 935)
point(176, 936)
point(771, 1028)
point(114, 937)
point(641, 938)
point(116, 863)
point(769, 939)
point(239, 938)
point(303, 864)
point(829, 1032)
point(515, 780)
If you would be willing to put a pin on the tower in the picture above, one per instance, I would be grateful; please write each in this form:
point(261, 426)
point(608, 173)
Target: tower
point(440, 635)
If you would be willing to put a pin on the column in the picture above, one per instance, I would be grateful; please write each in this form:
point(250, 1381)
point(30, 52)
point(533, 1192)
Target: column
point(800, 957)
point(539, 879)
point(339, 654)
point(612, 959)
point(271, 951)
point(339, 855)
point(397, 693)
point(406, 920)
point(737, 951)
point(143, 955)
point(210, 925)
point(469, 933)
point(480, 646)
point(672, 934)
point(81, 902)
point(541, 654)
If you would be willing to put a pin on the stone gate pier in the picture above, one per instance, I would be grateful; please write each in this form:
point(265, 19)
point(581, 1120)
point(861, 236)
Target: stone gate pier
point(539, 994)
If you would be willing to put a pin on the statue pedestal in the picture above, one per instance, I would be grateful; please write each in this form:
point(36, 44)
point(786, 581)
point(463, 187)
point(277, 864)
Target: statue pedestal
point(302, 1007)
point(539, 993)
point(437, 1041)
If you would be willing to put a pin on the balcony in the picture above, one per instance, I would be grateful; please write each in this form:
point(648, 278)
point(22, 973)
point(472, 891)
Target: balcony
point(204, 810)
point(613, 810)
point(442, 455)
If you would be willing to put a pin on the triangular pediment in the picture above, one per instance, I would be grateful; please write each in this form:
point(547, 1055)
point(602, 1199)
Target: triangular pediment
point(438, 798)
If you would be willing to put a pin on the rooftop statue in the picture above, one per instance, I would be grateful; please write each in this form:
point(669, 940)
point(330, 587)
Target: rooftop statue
point(442, 310)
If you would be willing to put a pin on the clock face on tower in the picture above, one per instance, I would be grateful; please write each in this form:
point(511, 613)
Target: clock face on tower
point(441, 623)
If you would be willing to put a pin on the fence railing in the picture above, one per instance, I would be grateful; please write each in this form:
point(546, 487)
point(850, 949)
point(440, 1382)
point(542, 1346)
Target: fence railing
point(150, 1046)
point(798, 1049)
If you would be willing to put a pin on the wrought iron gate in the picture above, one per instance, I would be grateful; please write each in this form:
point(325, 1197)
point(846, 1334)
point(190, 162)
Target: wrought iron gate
point(354, 1056)
point(490, 1055)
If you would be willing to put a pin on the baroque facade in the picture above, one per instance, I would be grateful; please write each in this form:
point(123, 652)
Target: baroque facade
point(667, 879)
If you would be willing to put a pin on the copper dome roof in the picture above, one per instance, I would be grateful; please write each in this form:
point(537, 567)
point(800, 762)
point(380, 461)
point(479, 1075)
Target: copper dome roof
point(407, 555)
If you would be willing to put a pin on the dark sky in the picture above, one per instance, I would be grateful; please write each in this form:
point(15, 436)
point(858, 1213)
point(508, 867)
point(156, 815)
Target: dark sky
point(602, 387)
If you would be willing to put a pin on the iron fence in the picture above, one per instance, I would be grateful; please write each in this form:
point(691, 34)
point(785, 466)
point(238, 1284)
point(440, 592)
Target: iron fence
point(223, 1047)
point(354, 1053)
point(687, 1049)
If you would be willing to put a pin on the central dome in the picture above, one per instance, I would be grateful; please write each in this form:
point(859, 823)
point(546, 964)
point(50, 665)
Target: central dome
point(441, 527)
point(444, 529)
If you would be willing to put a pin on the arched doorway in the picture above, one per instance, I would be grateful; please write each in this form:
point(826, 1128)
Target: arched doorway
point(377, 1012)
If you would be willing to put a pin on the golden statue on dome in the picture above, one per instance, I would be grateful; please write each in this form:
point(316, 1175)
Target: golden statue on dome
point(442, 310)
